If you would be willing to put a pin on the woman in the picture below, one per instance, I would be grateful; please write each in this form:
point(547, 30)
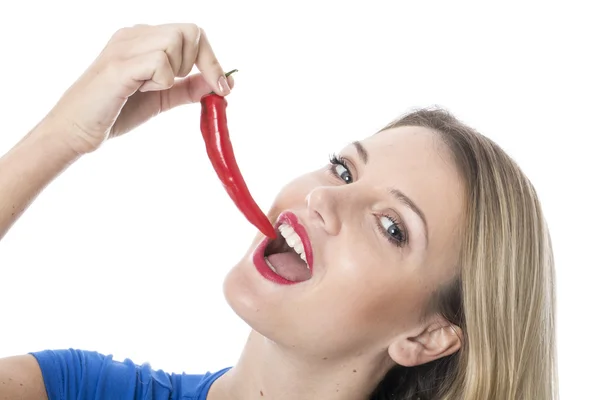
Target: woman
point(420, 264)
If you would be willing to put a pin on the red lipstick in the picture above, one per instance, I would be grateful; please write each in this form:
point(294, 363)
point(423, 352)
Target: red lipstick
point(258, 257)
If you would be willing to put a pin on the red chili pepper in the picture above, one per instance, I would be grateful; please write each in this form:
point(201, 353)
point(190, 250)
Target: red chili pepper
point(213, 124)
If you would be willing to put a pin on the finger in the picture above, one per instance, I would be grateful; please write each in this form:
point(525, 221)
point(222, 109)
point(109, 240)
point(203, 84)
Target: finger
point(127, 33)
point(191, 39)
point(186, 91)
point(209, 66)
point(170, 40)
point(179, 41)
point(182, 43)
point(165, 38)
point(152, 71)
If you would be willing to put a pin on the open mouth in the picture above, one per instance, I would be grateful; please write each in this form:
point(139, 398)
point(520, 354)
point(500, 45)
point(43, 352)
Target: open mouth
point(286, 255)
point(287, 259)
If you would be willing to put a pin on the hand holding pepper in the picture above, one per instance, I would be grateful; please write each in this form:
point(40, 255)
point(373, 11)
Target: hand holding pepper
point(133, 79)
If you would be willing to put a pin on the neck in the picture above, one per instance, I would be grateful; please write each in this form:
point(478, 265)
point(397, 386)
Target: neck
point(266, 371)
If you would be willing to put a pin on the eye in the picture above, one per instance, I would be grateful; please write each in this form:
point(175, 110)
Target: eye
point(339, 168)
point(343, 173)
point(391, 229)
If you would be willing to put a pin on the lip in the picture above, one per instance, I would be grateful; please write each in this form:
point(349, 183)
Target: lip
point(259, 254)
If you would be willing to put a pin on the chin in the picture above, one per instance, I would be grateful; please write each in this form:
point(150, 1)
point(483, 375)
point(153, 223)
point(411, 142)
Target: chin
point(251, 300)
point(262, 298)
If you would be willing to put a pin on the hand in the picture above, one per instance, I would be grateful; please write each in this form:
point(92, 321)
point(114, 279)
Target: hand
point(134, 79)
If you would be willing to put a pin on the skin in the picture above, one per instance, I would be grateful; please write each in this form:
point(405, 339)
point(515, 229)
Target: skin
point(333, 336)
point(336, 335)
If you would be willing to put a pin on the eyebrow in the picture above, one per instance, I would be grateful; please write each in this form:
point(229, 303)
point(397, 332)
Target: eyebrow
point(364, 156)
point(362, 152)
point(410, 204)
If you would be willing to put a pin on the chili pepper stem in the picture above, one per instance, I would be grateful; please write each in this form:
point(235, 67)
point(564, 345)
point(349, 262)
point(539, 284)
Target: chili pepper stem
point(226, 75)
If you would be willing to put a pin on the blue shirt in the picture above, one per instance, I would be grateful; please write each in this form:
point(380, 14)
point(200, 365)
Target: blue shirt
point(78, 374)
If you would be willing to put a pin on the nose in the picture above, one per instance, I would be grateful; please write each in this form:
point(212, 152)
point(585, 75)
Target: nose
point(323, 209)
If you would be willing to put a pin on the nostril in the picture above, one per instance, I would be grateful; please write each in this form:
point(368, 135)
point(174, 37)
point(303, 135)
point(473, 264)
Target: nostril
point(319, 216)
point(319, 205)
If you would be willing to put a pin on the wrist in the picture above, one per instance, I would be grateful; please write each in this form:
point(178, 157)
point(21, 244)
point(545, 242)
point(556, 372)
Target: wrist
point(55, 140)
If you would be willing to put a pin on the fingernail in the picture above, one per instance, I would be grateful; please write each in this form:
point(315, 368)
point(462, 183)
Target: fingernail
point(223, 85)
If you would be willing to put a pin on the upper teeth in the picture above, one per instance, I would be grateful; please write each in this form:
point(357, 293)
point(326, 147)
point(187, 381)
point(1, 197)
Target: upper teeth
point(293, 240)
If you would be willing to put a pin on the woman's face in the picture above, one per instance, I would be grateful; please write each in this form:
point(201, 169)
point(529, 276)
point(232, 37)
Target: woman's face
point(380, 230)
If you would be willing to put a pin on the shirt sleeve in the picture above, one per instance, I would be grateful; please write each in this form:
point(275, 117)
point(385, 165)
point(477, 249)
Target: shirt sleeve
point(78, 374)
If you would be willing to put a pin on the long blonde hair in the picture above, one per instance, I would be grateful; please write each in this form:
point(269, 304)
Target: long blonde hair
point(504, 296)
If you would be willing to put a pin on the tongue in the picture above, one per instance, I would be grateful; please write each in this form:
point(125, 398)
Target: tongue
point(290, 266)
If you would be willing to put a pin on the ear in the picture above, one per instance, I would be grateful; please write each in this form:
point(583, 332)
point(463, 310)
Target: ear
point(437, 340)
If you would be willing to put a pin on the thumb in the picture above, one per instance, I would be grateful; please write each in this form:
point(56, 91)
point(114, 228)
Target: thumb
point(144, 105)
point(188, 90)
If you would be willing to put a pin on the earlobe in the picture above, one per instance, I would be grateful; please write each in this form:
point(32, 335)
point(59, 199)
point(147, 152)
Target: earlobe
point(435, 342)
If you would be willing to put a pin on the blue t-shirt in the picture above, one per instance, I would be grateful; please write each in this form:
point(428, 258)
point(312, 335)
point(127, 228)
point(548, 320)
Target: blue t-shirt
point(78, 374)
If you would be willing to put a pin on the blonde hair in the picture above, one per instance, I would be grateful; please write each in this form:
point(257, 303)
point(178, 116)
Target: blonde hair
point(504, 296)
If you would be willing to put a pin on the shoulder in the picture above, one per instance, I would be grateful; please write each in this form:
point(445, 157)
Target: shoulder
point(71, 374)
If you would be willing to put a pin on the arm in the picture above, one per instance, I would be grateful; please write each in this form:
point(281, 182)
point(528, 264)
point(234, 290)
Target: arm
point(24, 172)
point(29, 167)
point(21, 378)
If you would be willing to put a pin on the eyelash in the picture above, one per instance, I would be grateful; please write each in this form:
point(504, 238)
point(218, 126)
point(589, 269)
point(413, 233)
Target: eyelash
point(336, 160)
point(392, 240)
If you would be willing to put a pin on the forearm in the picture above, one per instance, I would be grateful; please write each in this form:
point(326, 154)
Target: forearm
point(29, 167)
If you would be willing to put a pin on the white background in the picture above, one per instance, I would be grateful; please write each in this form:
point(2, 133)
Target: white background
point(125, 252)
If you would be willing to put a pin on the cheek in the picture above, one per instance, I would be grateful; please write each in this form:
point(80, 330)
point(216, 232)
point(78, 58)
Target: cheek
point(377, 294)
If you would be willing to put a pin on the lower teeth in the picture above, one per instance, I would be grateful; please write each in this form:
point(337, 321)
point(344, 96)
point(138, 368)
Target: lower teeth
point(270, 266)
